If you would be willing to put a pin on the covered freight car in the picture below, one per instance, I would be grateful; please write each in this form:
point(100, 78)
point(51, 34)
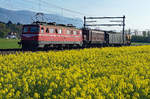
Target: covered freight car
point(116, 39)
point(93, 37)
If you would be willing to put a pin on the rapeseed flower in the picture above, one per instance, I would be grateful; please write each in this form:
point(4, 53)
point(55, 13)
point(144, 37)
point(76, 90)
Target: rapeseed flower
point(93, 73)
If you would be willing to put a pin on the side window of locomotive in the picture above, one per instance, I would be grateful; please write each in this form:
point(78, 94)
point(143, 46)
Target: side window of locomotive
point(42, 30)
point(25, 29)
point(51, 30)
point(59, 31)
point(68, 31)
point(74, 32)
point(47, 30)
point(34, 29)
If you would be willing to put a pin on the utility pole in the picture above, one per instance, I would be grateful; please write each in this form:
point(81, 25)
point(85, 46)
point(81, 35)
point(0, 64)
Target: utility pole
point(120, 22)
point(84, 22)
point(123, 34)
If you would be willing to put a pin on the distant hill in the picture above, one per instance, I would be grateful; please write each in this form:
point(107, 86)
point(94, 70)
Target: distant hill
point(25, 17)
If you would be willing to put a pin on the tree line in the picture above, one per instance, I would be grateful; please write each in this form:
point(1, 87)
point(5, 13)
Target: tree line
point(9, 27)
point(6, 28)
point(144, 38)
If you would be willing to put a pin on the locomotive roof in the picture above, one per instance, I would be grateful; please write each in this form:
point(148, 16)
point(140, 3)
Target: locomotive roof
point(51, 24)
point(110, 32)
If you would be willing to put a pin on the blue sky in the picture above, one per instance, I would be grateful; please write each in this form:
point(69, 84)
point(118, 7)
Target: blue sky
point(136, 11)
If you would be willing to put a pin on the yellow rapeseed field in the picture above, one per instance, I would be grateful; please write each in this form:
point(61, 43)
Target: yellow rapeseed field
point(95, 73)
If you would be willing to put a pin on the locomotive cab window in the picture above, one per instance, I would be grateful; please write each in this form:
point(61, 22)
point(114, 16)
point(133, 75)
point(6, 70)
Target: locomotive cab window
point(34, 29)
point(31, 29)
point(42, 30)
point(25, 29)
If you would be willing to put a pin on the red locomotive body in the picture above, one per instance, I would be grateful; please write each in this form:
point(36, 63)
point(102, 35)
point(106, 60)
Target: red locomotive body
point(50, 35)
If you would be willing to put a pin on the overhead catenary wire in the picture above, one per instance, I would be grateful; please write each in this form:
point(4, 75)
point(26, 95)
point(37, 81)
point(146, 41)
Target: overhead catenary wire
point(30, 7)
point(6, 2)
point(44, 7)
point(65, 9)
point(17, 5)
point(44, 3)
point(54, 11)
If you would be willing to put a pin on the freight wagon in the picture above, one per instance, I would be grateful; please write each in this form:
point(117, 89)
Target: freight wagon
point(93, 37)
point(115, 38)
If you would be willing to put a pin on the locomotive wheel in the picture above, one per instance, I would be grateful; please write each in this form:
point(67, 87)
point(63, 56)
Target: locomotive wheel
point(24, 47)
point(29, 48)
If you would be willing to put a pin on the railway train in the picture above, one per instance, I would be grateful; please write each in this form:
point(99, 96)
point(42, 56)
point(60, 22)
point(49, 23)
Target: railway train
point(52, 35)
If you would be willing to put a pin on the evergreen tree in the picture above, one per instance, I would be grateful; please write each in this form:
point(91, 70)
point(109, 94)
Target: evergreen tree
point(144, 33)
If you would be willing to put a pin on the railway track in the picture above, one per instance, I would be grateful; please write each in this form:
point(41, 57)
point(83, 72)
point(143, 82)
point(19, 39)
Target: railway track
point(10, 51)
point(14, 51)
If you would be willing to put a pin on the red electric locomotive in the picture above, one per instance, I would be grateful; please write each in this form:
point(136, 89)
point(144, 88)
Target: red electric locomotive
point(43, 35)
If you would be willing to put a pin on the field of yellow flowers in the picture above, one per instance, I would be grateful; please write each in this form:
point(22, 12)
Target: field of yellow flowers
point(94, 73)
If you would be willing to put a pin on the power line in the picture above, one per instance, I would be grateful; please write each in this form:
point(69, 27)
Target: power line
point(17, 5)
point(62, 8)
point(41, 6)
point(28, 4)
point(34, 9)
point(52, 5)
point(31, 7)
point(66, 9)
